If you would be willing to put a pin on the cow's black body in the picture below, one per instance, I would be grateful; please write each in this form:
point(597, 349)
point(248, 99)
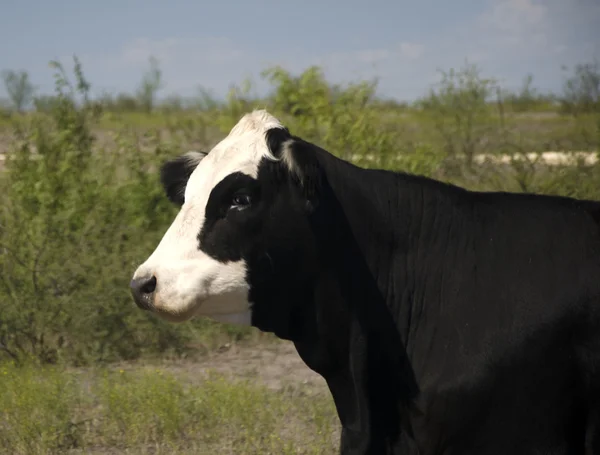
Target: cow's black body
point(447, 321)
point(444, 321)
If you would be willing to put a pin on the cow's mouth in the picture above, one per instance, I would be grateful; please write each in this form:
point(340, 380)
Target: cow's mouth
point(172, 315)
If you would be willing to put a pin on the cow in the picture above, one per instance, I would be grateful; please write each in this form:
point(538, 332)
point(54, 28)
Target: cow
point(443, 320)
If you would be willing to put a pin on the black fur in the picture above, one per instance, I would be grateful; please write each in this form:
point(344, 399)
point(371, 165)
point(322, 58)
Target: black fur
point(228, 232)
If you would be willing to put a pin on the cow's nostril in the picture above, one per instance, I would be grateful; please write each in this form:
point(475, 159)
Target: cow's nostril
point(142, 290)
point(149, 286)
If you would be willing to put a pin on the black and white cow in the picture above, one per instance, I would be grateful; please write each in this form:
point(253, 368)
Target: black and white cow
point(444, 321)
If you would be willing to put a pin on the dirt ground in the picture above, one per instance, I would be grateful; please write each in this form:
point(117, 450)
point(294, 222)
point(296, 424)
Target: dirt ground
point(274, 364)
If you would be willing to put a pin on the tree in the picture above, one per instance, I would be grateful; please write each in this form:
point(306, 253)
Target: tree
point(151, 84)
point(581, 93)
point(459, 110)
point(19, 88)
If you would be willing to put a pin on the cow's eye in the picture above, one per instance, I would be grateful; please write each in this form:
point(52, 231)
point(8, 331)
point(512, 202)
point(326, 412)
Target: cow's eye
point(241, 201)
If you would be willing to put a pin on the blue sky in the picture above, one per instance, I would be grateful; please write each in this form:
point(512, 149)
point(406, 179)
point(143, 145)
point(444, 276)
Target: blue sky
point(217, 43)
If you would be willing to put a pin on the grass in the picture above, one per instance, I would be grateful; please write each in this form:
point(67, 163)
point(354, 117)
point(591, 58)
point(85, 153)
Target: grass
point(52, 409)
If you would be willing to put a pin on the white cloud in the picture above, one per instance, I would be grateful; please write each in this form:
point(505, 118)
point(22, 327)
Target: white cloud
point(186, 63)
point(172, 50)
point(534, 27)
point(518, 25)
point(372, 56)
point(514, 16)
point(363, 58)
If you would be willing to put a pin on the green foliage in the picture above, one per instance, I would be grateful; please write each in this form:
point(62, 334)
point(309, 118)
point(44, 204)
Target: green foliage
point(45, 103)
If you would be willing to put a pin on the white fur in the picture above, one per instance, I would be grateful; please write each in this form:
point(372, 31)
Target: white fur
point(189, 282)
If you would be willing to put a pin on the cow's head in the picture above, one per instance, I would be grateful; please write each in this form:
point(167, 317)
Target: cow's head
point(241, 248)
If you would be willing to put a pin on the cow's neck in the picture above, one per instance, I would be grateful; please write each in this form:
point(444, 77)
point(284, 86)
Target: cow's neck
point(366, 223)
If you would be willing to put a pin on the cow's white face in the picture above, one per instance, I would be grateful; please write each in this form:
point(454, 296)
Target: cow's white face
point(201, 266)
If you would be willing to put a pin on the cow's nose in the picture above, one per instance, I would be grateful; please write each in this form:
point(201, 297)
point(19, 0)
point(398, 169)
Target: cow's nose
point(142, 290)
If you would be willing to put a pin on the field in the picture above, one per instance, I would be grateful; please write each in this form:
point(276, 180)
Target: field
point(82, 370)
point(248, 399)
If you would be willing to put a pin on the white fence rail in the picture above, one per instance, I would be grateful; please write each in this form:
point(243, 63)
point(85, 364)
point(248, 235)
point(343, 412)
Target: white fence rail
point(551, 158)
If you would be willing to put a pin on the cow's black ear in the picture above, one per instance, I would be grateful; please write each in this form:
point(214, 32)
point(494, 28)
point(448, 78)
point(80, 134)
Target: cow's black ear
point(276, 139)
point(299, 158)
point(175, 173)
point(302, 161)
